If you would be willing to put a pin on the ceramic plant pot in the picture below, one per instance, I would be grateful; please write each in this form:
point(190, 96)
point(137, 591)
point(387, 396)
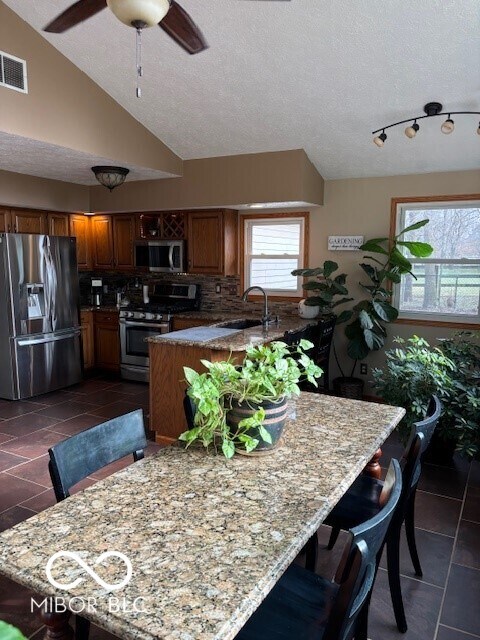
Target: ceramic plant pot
point(275, 418)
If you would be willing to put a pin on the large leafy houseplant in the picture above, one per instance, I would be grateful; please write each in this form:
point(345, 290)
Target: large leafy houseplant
point(268, 373)
point(8, 632)
point(366, 329)
point(325, 288)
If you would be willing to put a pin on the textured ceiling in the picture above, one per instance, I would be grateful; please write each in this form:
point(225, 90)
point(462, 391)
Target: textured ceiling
point(35, 158)
point(312, 74)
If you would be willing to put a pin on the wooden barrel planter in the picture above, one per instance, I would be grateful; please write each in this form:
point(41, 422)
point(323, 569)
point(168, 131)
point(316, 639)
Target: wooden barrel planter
point(275, 417)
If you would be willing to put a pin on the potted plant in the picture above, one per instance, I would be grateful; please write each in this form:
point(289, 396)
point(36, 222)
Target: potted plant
point(243, 407)
point(415, 370)
point(366, 329)
point(324, 288)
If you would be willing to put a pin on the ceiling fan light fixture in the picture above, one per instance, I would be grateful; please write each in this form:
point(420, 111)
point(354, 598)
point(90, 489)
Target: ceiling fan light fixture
point(448, 126)
point(110, 177)
point(148, 13)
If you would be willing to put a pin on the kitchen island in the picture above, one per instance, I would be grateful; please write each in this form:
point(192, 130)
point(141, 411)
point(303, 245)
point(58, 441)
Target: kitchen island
point(170, 352)
point(207, 537)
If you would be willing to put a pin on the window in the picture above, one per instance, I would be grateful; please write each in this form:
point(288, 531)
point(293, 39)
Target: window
point(274, 247)
point(447, 284)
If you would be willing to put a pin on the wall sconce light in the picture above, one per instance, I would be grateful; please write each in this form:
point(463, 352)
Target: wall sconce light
point(110, 177)
point(431, 109)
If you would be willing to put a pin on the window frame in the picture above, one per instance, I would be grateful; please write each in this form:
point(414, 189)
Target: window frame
point(303, 216)
point(398, 205)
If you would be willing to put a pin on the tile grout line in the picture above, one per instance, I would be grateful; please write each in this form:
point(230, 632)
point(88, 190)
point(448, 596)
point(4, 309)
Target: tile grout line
point(467, 633)
point(420, 580)
point(452, 554)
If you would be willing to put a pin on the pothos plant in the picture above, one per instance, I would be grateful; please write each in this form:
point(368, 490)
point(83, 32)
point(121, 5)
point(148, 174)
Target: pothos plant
point(366, 330)
point(268, 373)
point(325, 288)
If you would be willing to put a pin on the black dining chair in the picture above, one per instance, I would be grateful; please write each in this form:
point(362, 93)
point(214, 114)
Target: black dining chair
point(306, 606)
point(362, 501)
point(75, 458)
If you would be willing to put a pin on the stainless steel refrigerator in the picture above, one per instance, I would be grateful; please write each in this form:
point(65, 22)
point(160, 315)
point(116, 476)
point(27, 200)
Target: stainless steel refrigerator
point(40, 348)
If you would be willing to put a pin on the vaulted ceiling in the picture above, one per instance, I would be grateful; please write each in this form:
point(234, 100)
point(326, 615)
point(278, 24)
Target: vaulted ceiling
point(312, 74)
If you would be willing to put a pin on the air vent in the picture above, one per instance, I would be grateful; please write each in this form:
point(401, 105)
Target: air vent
point(13, 72)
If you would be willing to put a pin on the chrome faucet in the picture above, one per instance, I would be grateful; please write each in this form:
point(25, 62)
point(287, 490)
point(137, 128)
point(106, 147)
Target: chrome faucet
point(266, 318)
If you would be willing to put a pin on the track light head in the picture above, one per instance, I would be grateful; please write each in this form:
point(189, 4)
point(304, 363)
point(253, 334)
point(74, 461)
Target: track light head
point(411, 131)
point(380, 140)
point(448, 126)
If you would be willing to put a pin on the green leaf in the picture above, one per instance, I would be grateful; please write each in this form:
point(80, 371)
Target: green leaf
point(373, 340)
point(342, 301)
point(341, 279)
point(399, 260)
point(418, 249)
point(307, 272)
point(412, 227)
point(8, 632)
point(385, 311)
point(370, 271)
point(345, 316)
point(358, 349)
point(394, 277)
point(374, 247)
point(365, 319)
point(190, 375)
point(266, 437)
point(329, 267)
point(228, 448)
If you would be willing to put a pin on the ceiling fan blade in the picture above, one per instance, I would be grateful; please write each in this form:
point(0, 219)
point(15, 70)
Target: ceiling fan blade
point(180, 26)
point(78, 12)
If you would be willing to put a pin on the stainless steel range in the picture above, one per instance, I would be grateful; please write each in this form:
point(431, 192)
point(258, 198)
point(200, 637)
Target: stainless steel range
point(153, 317)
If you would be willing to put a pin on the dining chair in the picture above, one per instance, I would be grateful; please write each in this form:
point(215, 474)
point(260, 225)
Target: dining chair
point(75, 458)
point(307, 606)
point(362, 501)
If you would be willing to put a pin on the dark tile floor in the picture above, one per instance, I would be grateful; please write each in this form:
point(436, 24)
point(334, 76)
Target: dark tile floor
point(444, 605)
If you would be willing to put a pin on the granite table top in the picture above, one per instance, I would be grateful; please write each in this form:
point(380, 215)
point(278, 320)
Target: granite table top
point(207, 537)
point(241, 339)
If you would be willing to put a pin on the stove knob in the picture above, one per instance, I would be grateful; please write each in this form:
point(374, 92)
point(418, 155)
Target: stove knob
point(130, 314)
point(142, 315)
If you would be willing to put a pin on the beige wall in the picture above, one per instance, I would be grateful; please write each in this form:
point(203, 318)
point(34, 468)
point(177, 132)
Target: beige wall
point(66, 108)
point(221, 182)
point(362, 207)
point(17, 190)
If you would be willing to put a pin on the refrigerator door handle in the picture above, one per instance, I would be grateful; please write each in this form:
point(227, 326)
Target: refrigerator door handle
point(49, 337)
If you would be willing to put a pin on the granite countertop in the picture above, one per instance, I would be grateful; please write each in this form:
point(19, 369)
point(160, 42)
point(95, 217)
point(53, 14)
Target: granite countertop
point(242, 339)
point(207, 537)
point(108, 308)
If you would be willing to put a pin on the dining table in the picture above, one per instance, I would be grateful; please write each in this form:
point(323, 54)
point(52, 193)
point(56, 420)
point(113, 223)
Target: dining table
point(185, 544)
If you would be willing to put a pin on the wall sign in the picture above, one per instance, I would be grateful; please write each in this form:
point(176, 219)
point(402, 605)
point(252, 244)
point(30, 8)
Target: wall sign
point(344, 243)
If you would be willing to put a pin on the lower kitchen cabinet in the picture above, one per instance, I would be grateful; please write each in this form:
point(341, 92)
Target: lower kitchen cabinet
point(86, 325)
point(106, 340)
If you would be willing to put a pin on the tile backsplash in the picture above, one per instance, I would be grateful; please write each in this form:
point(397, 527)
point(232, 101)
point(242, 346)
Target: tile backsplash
point(228, 299)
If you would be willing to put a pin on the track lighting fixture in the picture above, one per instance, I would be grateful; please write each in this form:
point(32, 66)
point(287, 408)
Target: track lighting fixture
point(379, 140)
point(411, 131)
point(448, 126)
point(431, 109)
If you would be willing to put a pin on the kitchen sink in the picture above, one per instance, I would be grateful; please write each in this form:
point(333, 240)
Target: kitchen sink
point(241, 324)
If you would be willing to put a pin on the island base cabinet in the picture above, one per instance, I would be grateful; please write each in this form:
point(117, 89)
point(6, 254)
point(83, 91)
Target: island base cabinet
point(168, 386)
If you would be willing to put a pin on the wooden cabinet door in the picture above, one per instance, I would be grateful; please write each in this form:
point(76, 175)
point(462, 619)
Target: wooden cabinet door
point(5, 222)
point(29, 222)
point(187, 323)
point(107, 346)
point(58, 224)
point(102, 242)
point(80, 229)
point(86, 325)
point(205, 242)
point(123, 237)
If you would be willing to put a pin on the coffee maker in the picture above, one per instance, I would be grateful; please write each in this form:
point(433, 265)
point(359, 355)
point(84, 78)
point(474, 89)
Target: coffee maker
point(96, 292)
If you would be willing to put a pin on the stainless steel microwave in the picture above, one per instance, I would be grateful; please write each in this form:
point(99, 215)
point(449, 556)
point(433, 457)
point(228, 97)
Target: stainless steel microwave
point(161, 256)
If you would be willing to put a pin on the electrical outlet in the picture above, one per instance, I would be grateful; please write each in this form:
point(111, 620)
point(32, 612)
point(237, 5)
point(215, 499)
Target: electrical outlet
point(363, 368)
point(218, 288)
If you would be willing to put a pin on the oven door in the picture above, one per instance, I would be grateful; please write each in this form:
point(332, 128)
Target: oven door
point(134, 349)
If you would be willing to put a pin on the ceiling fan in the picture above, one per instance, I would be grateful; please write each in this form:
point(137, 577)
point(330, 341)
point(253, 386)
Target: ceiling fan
point(140, 14)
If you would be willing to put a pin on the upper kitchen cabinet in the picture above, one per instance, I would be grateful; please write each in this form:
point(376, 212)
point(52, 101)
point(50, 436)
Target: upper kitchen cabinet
point(167, 225)
point(24, 221)
point(5, 220)
point(112, 241)
point(58, 224)
point(123, 237)
point(213, 242)
point(80, 229)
